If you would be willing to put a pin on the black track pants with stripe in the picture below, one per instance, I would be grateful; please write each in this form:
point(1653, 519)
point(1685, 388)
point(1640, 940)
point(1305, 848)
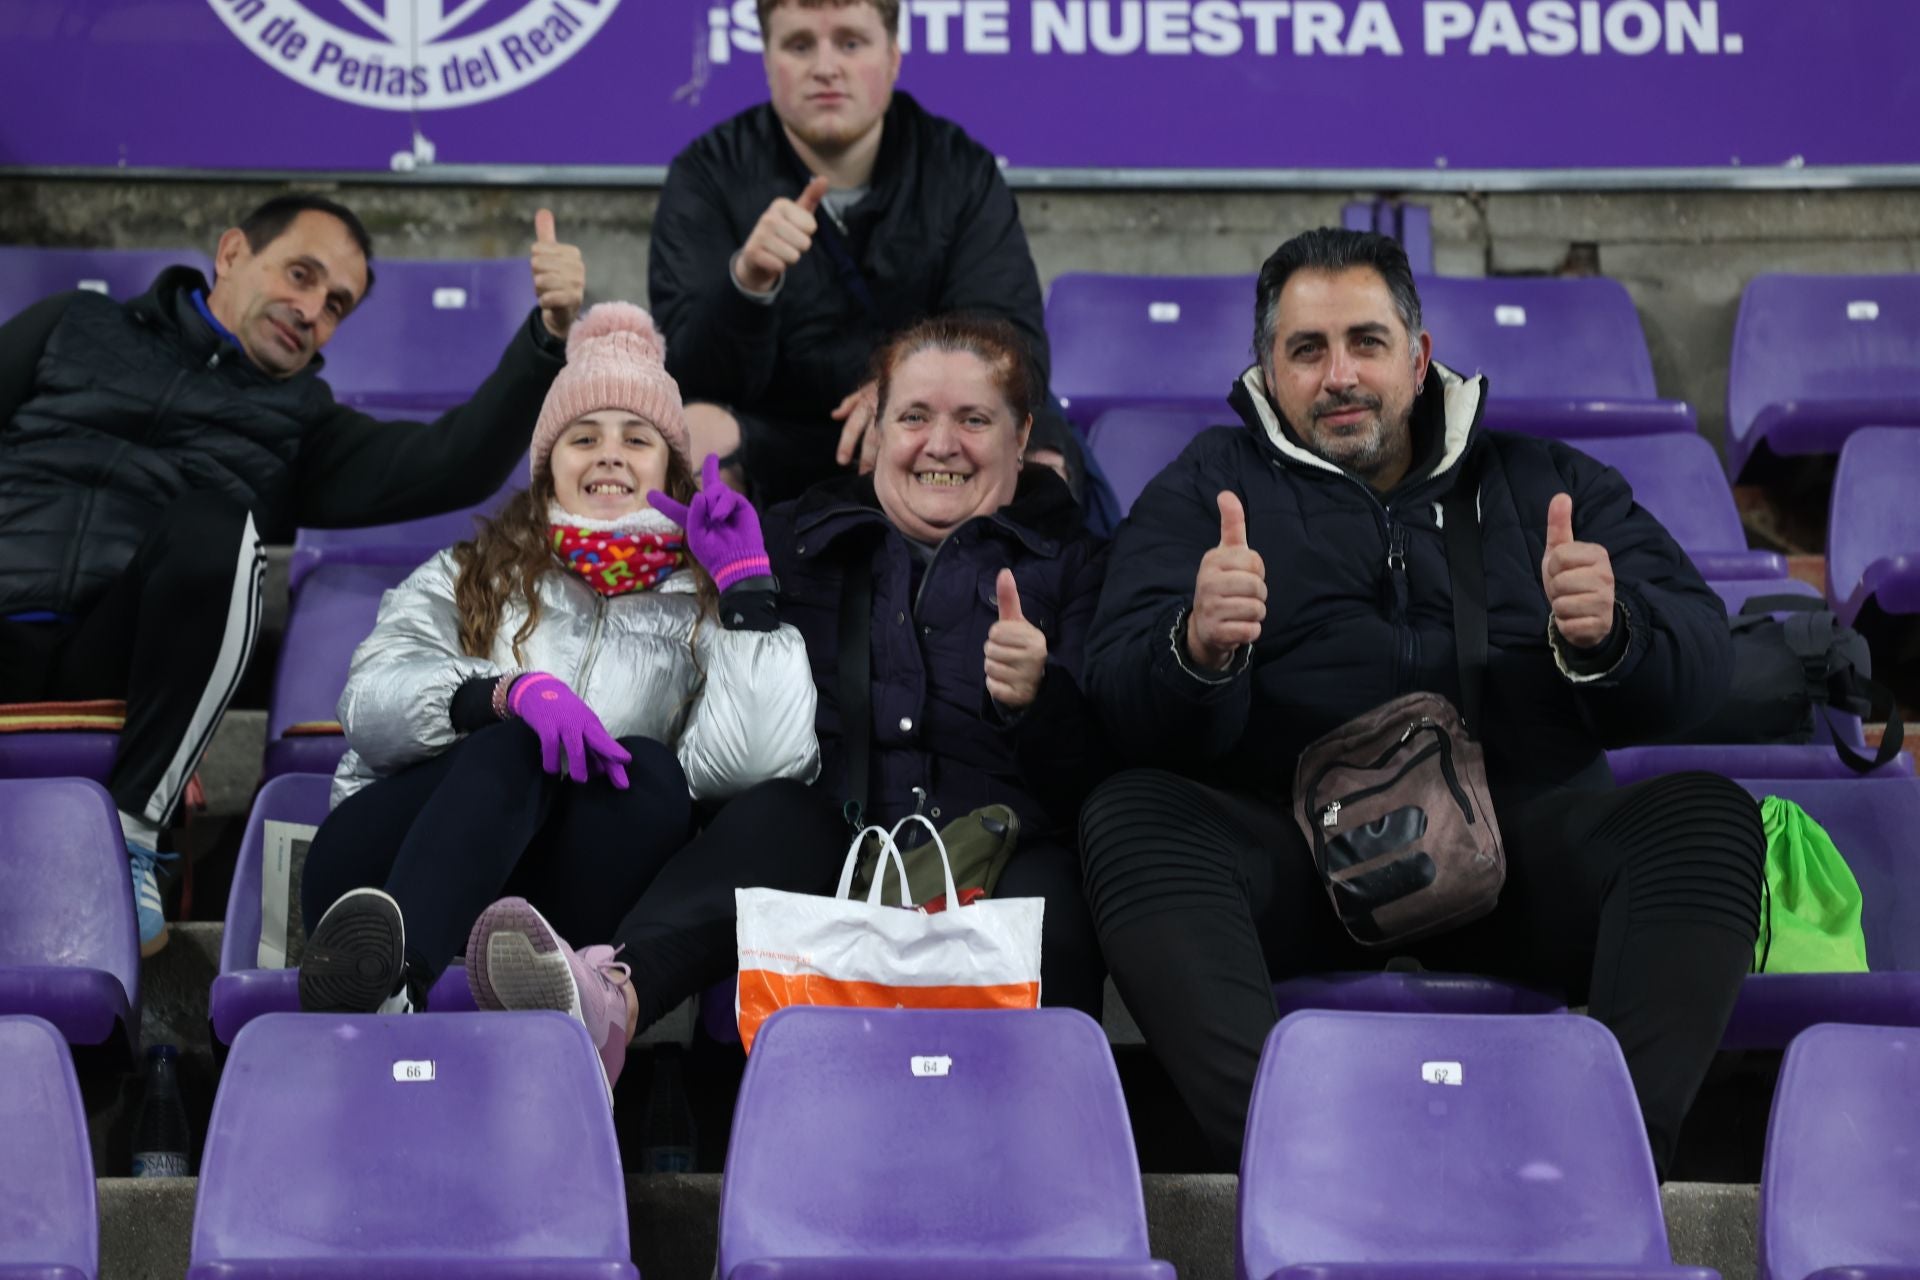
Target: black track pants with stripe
point(171, 636)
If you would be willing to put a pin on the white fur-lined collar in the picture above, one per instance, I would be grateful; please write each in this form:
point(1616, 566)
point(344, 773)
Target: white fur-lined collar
point(1462, 398)
point(645, 520)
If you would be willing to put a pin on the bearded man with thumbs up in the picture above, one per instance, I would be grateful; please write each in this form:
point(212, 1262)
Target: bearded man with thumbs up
point(793, 238)
point(149, 449)
point(1292, 573)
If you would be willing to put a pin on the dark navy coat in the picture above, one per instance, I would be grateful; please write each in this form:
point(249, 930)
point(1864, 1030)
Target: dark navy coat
point(934, 727)
point(1347, 631)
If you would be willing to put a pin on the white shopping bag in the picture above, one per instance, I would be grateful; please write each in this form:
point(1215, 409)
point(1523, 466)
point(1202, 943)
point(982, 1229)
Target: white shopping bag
point(797, 948)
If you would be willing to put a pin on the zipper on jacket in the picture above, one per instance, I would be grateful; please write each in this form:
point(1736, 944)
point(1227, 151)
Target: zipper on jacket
point(593, 645)
point(926, 571)
point(166, 403)
point(1397, 579)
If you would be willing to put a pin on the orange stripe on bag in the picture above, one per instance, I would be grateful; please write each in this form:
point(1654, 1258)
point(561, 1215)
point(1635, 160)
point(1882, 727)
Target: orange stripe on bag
point(764, 993)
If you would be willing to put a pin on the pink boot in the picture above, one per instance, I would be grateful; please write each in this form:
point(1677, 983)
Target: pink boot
point(516, 961)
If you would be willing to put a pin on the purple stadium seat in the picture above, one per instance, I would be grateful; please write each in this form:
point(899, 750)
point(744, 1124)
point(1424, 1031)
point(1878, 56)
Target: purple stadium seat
point(935, 1144)
point(1414, 230)
point(1419, 992)
point(409, 544)
point(1775, 762)
point(1410, 224)
point(1133, 445)
point(335, 612)
point(1876, 826)
point(1815, 358)
point(362, 1146)
point(1873, 535)
point(1396, 992)
point(69, 949)
point(1396, 1146)
point(28, 274)
point(58, 755)
point(1167, 341)
point(1840, 1191)
point(1563, 357)
point(242, 991)
point(49, 1228)
point(429, 334)
point(1679, 479)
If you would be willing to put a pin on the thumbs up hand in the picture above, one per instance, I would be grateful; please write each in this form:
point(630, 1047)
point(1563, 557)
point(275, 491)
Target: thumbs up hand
point(1229, 594)
point(1578, 577)
point(784, 232)
point(559, 276)
point(1016, 651)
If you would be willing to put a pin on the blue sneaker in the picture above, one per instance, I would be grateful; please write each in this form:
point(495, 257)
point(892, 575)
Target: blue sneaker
point(146, 897)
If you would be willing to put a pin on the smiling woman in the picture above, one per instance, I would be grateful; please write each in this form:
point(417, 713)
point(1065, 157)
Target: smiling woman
point(982, 583)
point(954, 420)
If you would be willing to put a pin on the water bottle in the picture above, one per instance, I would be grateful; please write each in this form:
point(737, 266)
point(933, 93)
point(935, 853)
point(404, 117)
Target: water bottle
point(160, 1134)
point(667, 1141)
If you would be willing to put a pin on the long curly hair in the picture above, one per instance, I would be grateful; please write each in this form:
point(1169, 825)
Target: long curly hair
point(510, 552)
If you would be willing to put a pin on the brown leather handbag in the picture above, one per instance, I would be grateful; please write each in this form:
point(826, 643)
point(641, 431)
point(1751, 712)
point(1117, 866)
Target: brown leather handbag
point(1394, 804)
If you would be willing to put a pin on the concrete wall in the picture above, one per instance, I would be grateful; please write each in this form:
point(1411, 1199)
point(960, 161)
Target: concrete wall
point(1684, 256)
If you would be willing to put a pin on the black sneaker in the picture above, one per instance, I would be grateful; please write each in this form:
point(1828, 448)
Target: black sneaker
point(355, 961)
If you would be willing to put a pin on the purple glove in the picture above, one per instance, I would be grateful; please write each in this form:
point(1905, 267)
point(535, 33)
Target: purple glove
point(562, 721)
point(723, 529)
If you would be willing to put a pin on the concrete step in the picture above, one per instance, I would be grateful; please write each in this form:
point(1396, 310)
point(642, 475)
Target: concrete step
point(146, 1226)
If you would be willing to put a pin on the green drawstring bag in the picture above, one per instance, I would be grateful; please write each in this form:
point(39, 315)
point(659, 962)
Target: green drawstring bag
point(1810, 921)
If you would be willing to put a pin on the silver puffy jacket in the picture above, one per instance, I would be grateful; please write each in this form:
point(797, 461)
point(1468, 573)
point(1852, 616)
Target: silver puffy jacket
point(742, 716)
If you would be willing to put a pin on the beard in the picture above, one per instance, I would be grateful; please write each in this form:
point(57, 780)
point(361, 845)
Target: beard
point(1365, 447)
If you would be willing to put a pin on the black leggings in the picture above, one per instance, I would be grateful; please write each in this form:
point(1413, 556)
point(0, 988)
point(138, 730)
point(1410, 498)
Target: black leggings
point(482, 820)
point(1643, 903)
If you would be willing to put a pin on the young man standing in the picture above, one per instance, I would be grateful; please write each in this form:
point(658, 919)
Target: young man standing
point(792, 238)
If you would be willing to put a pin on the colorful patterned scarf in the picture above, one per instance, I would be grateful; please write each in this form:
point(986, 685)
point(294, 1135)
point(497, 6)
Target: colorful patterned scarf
point(634, 553)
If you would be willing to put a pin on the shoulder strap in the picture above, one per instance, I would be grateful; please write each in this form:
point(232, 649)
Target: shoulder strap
point(848, 269)
point(1465, 563)
point(1892, 735)
point(856, 679)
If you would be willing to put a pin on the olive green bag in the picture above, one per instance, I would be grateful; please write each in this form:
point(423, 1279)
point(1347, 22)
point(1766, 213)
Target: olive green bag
point(1810, 916)
point(978, 846)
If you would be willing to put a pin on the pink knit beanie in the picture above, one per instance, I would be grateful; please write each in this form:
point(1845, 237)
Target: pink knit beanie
point(615, 358)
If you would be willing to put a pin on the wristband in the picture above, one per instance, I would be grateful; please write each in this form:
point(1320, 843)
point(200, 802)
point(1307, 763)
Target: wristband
point(500, 690)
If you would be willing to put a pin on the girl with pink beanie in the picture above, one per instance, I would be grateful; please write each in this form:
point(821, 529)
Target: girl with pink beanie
point(545, 710)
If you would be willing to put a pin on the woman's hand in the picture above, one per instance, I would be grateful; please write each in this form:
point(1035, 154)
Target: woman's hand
point(1016, 651)
point(563, 722)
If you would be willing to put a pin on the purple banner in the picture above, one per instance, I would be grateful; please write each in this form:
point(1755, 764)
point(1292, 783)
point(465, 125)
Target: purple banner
point(1130, 84)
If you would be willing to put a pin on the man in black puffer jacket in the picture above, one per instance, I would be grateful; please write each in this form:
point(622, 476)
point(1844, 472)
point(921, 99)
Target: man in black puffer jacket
point(1287, 575)
point(791, 239)
point(148, 449)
